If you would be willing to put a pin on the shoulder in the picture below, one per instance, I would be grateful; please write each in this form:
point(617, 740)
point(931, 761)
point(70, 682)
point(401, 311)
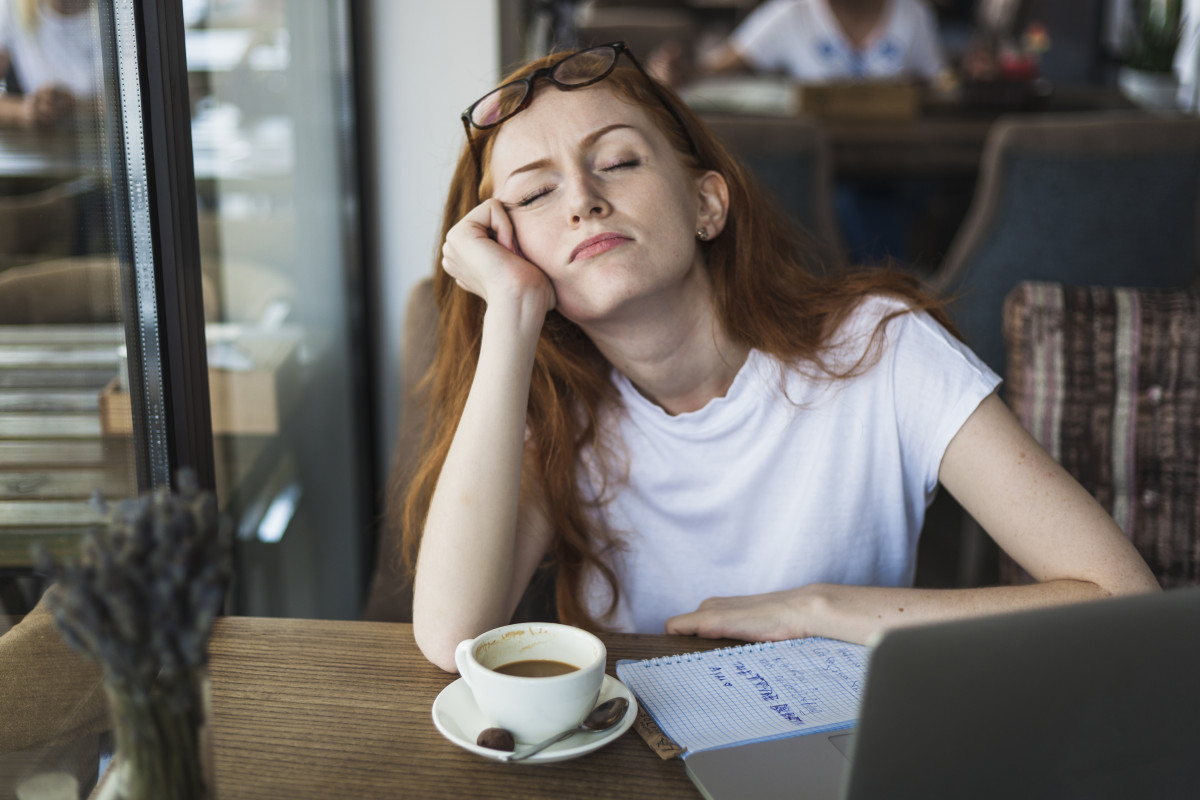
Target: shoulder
point(6, 23)
point(870, 312)
point(777, 8)
point(915, 9)
point(881, 325)
point(918, 17)
point(767, 18)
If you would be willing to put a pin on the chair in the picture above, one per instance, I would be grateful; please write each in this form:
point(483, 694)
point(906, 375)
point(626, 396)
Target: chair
point(790, 158)
point(389, 596)
point(1105, 199)
point(1108, 380)
point(52, 704)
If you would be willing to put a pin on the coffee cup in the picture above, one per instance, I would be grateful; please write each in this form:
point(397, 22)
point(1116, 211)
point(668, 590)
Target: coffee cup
point(533, 679)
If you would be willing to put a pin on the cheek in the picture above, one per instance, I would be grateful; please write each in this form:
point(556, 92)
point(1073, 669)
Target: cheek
point(533, 241)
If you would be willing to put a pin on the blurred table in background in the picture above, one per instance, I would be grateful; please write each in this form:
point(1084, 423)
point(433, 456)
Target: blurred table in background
point(944, 135)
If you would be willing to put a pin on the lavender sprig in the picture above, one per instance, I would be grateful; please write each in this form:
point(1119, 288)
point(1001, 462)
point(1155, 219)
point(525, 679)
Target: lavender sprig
point(143, 594)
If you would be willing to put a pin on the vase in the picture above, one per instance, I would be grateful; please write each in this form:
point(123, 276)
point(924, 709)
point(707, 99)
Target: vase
point(1154, 91)
point(162, 742)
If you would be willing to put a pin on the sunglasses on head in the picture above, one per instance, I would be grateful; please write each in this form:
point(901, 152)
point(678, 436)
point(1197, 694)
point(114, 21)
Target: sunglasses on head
point(573, 71)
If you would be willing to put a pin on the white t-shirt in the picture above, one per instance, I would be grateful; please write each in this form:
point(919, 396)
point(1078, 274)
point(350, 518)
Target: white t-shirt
point(60, 50)
point(758, 492)
point(803, 39)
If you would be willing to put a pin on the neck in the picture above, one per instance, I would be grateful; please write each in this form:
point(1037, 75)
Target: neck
point(676, 353)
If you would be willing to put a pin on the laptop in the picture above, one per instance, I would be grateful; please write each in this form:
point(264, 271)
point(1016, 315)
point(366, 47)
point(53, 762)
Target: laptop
point(1091, 700)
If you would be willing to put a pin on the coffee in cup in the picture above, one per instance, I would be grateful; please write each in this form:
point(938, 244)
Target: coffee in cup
point(533, 679)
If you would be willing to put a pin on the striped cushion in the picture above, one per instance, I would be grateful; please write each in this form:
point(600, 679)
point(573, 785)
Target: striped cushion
point(1108, 380)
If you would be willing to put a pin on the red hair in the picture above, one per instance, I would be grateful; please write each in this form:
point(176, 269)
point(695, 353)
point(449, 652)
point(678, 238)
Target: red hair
point(771, 291)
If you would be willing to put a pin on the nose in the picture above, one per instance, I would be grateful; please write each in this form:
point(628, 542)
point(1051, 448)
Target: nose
point(586, 199)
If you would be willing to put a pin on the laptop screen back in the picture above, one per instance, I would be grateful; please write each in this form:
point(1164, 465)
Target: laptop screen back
point(1092, 700)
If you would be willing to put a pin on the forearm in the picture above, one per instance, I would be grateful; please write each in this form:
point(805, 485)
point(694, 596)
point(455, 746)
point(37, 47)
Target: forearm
point(724, 60)
point(859, 613)
point(12, 111)
point(465, 569)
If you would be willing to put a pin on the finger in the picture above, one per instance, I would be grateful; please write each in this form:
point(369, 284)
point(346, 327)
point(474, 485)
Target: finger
point(682, 624)
point(499, 222)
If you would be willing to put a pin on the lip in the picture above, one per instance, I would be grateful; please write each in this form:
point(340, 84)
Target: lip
point(595, 245)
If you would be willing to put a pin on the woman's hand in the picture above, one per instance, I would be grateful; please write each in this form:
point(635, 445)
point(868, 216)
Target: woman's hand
point(46, 106)
point(481, 253)
point(753, 618)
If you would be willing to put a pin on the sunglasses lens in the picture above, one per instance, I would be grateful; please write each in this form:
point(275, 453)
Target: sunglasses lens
point(498, 106)
point(585, 67)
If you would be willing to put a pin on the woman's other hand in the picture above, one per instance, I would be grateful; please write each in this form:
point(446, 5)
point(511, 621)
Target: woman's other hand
point(481, 253)
point(753, 618)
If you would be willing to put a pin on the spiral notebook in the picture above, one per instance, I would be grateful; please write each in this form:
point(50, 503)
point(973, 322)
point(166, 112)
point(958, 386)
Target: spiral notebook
point(750, 693)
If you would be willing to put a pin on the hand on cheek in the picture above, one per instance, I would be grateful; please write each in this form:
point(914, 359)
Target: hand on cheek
point(483, 256)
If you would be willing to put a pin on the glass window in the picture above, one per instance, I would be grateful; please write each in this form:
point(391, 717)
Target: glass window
point(272, 139)
point(62, 335)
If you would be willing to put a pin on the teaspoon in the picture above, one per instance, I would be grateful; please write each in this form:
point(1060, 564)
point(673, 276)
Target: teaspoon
point(601, 718)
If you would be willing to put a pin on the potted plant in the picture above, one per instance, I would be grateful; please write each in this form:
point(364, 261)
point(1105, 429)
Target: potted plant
point(1147, 75)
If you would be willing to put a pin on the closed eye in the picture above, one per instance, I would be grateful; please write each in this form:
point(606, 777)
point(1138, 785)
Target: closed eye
point(533, 196)
point(633, 162)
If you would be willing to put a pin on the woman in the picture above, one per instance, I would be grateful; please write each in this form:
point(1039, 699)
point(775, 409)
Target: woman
point(51, 48)
point(640, 379)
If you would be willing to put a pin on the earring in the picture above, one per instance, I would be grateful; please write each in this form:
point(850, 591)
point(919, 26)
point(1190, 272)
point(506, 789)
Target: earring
point(702, 234)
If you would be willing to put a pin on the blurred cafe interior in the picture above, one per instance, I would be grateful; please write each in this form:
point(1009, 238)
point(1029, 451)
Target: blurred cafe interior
point(217, 224)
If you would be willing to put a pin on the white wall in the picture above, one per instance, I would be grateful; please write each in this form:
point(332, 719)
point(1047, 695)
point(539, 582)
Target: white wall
point(430, 60)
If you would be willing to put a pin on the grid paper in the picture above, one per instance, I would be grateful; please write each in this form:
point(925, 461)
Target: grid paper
point(751, 692)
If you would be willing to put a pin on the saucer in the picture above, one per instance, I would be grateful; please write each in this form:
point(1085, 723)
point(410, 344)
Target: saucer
point(459, 719)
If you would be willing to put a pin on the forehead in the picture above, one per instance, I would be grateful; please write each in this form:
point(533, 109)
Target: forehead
point(557, 119)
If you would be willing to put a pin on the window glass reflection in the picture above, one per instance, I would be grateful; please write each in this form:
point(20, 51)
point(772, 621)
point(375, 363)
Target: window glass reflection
point(61, 335)
point(64, 410)
point(270, 135)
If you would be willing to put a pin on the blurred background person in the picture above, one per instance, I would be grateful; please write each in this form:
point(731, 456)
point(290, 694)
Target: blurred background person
point(821, 41)
point(816, 41)
point(48, 59)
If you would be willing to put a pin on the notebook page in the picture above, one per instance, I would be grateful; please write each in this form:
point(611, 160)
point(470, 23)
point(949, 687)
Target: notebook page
point(751, 692)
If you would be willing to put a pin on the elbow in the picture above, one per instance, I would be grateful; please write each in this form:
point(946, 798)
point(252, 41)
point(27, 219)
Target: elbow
point(1139, 581)
point(1144, 585)
point(439, 650)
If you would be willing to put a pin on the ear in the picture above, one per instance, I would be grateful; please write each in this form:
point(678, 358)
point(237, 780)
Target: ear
point(714, 203)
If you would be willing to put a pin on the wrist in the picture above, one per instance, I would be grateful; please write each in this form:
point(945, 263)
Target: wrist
point(522, 315)
point(813, 612)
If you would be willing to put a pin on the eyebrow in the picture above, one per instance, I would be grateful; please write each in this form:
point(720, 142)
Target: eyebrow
point(586, 141)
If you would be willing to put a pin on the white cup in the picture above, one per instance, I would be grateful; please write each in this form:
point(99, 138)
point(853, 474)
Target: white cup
point(532, 709)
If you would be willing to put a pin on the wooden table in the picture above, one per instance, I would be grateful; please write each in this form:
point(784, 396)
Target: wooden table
point(317, 709)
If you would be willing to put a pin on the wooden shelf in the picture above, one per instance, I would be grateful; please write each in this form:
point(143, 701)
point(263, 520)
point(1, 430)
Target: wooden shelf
point(243, 401)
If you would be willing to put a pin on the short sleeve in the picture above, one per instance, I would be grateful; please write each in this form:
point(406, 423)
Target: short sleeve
point(926, 57)
point(6, 27)
point(937, 383)
point(761, 40)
